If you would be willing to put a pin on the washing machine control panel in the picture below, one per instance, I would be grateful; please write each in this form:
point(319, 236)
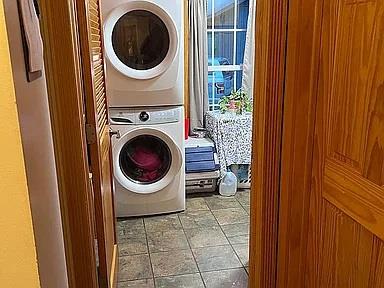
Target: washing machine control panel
point(141, 116)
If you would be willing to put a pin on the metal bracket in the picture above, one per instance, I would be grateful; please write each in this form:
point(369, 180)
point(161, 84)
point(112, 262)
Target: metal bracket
point(91, 134)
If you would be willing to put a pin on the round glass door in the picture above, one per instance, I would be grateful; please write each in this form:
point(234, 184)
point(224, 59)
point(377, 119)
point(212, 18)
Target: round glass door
point(140, 40)
point(145, 159)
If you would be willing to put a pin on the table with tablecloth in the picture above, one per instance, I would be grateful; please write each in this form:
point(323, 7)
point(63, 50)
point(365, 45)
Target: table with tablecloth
point(232, 134)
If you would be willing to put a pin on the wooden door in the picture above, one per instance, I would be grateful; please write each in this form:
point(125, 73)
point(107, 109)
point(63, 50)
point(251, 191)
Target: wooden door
point(332, 223)
point(98, 136)
point(348, 164)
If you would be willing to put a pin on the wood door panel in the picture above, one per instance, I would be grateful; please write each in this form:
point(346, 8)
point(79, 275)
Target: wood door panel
point(354, 81)
point(354, 112)
point(344, 239)
point(354, 195)
point(99, 143)
point(352, 77)
point(331, 222)
point(377, 270)
point(348, 201)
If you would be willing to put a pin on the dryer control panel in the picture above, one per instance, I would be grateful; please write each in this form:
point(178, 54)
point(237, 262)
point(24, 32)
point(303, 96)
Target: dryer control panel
point(145, 116)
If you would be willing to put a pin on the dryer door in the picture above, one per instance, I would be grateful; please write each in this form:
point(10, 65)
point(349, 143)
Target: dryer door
point(146, 160)
point(141, 39)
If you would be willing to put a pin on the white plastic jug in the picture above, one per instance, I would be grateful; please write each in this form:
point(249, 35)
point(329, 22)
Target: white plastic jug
point(228, 185)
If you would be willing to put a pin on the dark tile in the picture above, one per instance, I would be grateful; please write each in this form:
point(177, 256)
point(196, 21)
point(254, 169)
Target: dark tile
point(233, 278)
point(205, 237)
point(130, 226)
point(173, 263)
point(181, 281)
point(231, 216)
point(243, 197)
point(167, 240)
point(241, 239)
point(216, 258)
point(236, 229)
point(162, 223)
point(146, 283)
point(217, 202)
point(132, 245)
point(196, 204)
point(195, 219)
point(242, 251)
point(134, 267)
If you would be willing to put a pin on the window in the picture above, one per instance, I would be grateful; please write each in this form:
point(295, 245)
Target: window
point(227, 29)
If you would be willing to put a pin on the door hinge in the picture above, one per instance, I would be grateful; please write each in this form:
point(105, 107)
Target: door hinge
point(90, 134)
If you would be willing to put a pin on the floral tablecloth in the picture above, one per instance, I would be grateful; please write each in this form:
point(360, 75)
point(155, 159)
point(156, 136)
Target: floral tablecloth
point(232, 135)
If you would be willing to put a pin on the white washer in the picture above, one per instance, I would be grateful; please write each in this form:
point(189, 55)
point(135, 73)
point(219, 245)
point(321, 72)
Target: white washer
point(143, 42)
point(148, 160)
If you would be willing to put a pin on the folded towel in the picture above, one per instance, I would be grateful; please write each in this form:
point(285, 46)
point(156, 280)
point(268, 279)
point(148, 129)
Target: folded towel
point(31, 27)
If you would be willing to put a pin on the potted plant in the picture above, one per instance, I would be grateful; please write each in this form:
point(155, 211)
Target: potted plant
point(237, 102)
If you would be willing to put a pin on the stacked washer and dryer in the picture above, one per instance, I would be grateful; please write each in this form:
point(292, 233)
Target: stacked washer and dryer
point(145, 78)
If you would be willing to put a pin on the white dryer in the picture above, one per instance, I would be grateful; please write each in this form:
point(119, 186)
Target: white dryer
point(148, 160)
point(143, 42)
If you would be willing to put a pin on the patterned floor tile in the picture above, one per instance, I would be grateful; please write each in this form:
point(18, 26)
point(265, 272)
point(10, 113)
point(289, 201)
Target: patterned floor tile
point(181, 281)
point(167, 240)
point(231, 216)
point(217, 202)
point(247, 209)
point(241, 239)
point(173, 263)
point(242, 251)
point(195, 219)
point(216, 258)
point(130, 226)
point(236, 229)
point(162, 223)
point(243, 197)
point(146, 283)
point(234, 278)
point(196, 204)
point(132, 245)
point(205, 237)
point(134, 267)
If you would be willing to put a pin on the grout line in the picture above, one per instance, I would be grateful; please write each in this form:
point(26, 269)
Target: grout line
point(189, 244)
point(237, 256)
point(149, 254)
point(190, 249)
point(244, 243)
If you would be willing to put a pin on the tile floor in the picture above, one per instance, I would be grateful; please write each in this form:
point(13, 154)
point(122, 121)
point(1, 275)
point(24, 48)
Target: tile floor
point(205, 246)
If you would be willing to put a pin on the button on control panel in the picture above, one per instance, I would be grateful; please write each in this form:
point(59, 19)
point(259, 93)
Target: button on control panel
point(144, 116)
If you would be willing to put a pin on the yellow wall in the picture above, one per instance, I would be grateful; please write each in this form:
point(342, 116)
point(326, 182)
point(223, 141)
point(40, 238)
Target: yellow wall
point(18, 266)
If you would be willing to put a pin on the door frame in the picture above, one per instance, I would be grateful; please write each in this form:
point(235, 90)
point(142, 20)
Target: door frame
point(64, 80)
point(284, 117)
point(271, 41)
point(300, 99)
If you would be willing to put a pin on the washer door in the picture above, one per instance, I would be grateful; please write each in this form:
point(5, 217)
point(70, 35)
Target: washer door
point(146, 160)
point(141, 39)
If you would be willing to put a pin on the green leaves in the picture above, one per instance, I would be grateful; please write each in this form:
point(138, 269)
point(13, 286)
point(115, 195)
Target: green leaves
point(238, 98)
